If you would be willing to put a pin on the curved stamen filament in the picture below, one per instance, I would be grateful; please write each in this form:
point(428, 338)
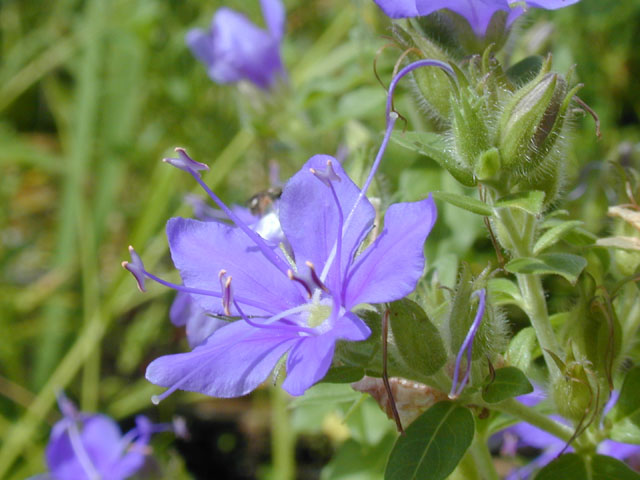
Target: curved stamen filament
point(80, 452)
point(156, 399)
point(271, 326)
point(466, 347)
point(199, 291)
point(315, 278)
point(225, 286)
point(304, 284)
point(391, 120)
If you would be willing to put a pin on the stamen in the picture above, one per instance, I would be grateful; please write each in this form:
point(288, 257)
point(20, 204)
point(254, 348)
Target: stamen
point(300, 281)
point(81, 453)
point(136, 267)
point(156, 399)
point(327, 175)
point(467, 345)
point(185, 162)
point(315, 278)
point(225, 286)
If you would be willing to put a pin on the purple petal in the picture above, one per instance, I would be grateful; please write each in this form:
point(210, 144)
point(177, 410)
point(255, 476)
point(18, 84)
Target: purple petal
point(101, 438)
point(233, 361)
point(309, 216)
point(201, 249)
point(310, 358)
point(391, 266)
point(618, 450)
point(185, 311)
point(399, 8)
point(274, 17)
point(236, 49)
point(549, 4)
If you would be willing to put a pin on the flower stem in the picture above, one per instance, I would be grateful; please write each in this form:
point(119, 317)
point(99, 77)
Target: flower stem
point(482, 458)
point(530, 285)
point(531, 416)
point(282, 437)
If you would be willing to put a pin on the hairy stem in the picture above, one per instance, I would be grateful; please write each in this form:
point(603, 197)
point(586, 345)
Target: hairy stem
point(482, 458)
point(531, 416)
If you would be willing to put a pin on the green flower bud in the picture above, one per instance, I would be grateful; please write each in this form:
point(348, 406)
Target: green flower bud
point(525, 122)
point(572, 392)
point(469, 129)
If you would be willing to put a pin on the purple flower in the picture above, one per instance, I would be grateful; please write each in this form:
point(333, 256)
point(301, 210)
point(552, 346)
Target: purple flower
point(235, 49)
point(526, 435)
point(477, 12)
point(297, 302)
point(91, 446)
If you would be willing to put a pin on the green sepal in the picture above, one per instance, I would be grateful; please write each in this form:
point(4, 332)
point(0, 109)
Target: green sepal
point(555, 234)
point(466, 203)
point(525, 70)
point(433, 146)
point(531, 201)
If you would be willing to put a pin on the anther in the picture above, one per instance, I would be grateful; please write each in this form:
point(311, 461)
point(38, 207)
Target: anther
point(136, 267)
point(327, 175)
point(300, 281)
point(185, 162)
point(315, 277)
point(225, 286)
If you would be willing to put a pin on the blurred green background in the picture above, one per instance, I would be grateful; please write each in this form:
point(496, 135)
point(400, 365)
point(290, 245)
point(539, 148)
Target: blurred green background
point(94, 93)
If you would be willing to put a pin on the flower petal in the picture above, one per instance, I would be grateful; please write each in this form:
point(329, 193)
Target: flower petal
point(185, 311)
point(391, 266)
point(274, 17)
point(232, 362)
point(201, 249)
point(310, 358)
point(399, 8)
point(309, 216)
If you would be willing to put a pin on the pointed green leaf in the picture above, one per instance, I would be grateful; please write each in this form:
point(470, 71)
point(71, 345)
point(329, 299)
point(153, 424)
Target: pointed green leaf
point(567, 467)
point(523, 348)
point(531, 201)
point(563, 264)
point(417, 339)
point(433, 445)
point(555, 234)
point(508, 382)
point(343, 374)
point(609, 468)
point(628, 405)
point(464, 202)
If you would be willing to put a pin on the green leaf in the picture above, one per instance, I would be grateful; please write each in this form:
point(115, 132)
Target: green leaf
point(625, 431)
point(523, 348)
point(464, 202)
point(628, 405)
point(343, 374)
point(531, 201)
point(567, 467)
point(504, 292)
point(563, 264)
point(417, 339)
point(598, 467)
point(508, 382)
point(607, 468)
point(433, 445)
point(555, 234)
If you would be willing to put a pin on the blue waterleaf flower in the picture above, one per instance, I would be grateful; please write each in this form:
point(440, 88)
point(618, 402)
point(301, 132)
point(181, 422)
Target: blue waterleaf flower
point(296, 301)
point(235, 49)
point(477, 12)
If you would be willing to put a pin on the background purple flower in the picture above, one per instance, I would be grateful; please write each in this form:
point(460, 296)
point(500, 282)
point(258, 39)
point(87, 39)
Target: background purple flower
point(301, 305)
point(89, 446)
point(477, 12)
point(235, 49)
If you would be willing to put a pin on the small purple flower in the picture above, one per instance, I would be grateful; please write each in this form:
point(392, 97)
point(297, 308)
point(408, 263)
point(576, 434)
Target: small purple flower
point(91, 446)
point(477, 12)
point(235, 49)
point(299, 300)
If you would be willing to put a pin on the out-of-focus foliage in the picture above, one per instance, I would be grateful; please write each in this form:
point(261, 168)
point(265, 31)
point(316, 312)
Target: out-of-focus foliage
point(93, 94)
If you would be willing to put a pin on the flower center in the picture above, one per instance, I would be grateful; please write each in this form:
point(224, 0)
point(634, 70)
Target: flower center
point(318, 314)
